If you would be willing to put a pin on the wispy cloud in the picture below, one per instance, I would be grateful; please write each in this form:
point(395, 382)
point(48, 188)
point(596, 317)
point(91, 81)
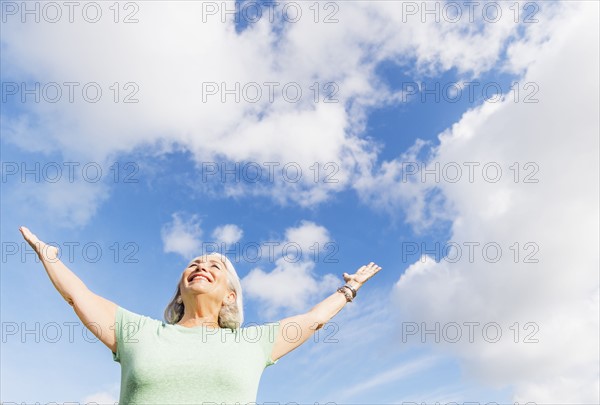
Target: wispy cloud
point(390, 375)
point(182, 236)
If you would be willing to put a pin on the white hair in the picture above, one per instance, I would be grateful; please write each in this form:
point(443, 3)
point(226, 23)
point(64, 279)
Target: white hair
point(231, 315)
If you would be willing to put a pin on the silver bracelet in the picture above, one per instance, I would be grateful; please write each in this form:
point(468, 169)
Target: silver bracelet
point(346, 292)
point(351, 289)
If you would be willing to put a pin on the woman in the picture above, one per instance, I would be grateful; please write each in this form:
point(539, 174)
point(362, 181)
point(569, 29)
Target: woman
point(201, 354)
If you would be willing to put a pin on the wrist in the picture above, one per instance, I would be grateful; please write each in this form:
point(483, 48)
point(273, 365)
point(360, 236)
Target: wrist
point(38, 247)
point(354, 285)
point(46, 252)
point(346, 292)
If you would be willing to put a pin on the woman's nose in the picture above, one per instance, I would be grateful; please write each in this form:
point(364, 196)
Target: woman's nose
point(204, 266)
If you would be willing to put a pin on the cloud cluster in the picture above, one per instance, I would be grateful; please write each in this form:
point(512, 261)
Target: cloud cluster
point(543, 216)
point(172, 58)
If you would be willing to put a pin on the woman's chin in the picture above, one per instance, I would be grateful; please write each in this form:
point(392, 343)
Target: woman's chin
point(199, 286)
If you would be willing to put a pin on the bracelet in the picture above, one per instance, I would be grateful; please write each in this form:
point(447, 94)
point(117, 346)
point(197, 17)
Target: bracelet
point(346, 293)
point(351, 289)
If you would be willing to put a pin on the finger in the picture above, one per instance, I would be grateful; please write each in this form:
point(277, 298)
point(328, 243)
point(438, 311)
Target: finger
point(27, 234)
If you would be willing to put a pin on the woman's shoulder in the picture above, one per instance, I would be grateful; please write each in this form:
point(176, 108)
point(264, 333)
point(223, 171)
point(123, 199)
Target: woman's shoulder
point(125, 315)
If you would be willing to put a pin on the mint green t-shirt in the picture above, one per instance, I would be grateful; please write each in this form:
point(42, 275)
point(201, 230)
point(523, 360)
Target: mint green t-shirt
point(173, 364)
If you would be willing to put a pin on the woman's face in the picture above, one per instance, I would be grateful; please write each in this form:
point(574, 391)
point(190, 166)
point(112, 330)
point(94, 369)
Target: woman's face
point(205, 274)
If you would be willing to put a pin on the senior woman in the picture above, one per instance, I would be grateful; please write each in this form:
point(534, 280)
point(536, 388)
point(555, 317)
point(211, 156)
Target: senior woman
point(200, 353)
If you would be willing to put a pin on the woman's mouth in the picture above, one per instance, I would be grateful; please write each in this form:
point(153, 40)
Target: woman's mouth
point(199, 277)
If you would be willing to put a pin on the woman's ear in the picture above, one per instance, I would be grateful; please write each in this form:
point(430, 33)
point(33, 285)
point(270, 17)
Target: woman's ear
point(232, 297)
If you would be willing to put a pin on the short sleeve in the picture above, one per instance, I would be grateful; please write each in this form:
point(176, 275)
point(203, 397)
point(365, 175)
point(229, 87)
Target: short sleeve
point(268, 334)
point(127, 325)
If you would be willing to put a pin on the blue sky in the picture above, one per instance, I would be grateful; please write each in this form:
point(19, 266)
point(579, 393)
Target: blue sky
point(132, 231)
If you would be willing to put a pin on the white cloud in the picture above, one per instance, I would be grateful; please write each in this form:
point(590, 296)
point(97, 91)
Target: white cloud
point(228, 234)
point(387, 376)
point(289, 286)
point(292, 284)
point(68, 203)
point(559, 214)
point(396, 184)
point(308, 235)
point(168, 67)
point(182, 236)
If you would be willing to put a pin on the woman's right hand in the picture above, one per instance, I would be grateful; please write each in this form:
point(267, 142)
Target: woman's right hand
point(96, 313)
point(43, 250)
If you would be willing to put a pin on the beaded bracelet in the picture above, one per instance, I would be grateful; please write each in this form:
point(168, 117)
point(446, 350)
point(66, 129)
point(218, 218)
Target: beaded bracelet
point(351, 289)
point(347, 293)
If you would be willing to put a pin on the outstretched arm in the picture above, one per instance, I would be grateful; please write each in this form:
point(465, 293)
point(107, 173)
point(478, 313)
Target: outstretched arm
point(95, 312)
point(319, 315)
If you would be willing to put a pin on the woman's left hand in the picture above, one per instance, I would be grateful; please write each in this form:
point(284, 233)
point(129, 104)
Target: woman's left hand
point(362, 275)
